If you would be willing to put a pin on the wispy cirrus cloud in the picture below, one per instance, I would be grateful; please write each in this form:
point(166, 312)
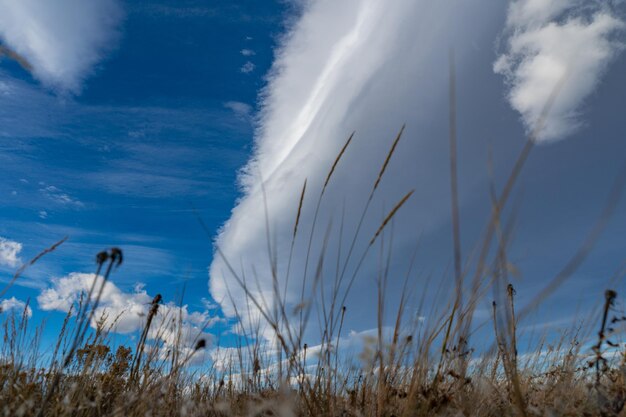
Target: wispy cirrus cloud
point(546, 42)
point(178, 11)
point(58, 196)
point(60, 42)
point(143, 151)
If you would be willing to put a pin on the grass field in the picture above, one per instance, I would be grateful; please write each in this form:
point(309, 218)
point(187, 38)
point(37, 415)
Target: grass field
point(422, 373)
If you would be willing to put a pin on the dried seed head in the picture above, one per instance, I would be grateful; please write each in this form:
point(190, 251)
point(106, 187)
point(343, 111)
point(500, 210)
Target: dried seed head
point(102, 257)
point(116, 256)
point(510, 290)
point(341, 152)
point(610, 295)
point(201, 344)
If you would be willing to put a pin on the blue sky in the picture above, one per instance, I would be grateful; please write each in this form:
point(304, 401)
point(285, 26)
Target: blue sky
point(125, 129)
point(157, 134)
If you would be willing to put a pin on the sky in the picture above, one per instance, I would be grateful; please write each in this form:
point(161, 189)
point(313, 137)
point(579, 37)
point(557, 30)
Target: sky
point(183, 132)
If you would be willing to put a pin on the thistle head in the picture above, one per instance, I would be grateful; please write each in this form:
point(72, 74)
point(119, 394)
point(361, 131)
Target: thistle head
point(201, 344)
point(116, 256)
point(102, 257)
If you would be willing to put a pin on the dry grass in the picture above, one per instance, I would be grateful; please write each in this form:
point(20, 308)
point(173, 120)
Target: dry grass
point(399, 375)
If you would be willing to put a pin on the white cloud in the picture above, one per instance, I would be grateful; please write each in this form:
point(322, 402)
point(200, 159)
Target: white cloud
point(59, 196)
point(63, 40)
point(16, 305)
point(547, 41)
point(9, 253)
point(355, 348)
point(247, 68)
point(242, 110)
point(247, 52)
point(126, 312)
point(525, 12)
point(364, 65)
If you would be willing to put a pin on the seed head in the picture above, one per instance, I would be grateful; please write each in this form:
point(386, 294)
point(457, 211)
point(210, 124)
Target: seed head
point(610, 295)
point(102, 257)
point(201, 344)
point(116, 256)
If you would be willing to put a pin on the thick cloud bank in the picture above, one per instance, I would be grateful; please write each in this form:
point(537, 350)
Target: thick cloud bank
point(370, 66)
point(364, 65)
point(60, 40)
point(547, 41)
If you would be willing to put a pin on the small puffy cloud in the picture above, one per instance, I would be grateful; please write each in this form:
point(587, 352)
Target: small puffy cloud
point(242, 110)
point(60, 41)
point(552, 41)
point(247, 68)
point(127, 312)
point(247, 52)
point(13, 304)
point(9, 253)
